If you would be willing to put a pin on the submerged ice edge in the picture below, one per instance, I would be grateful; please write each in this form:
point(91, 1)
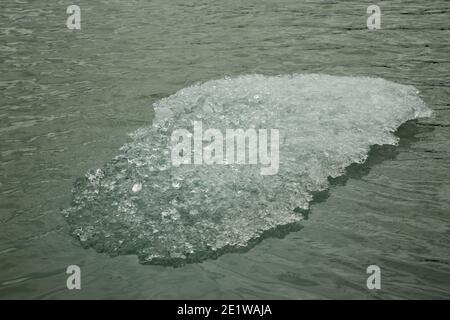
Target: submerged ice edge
point(139, 203)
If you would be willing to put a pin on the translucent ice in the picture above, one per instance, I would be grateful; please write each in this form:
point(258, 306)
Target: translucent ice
point(139, 203)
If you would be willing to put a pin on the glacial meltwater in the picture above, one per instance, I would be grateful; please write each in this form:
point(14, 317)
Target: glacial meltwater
point(363, 177)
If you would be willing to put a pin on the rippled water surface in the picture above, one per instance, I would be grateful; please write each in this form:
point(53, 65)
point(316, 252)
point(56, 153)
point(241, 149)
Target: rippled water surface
point(68, 100)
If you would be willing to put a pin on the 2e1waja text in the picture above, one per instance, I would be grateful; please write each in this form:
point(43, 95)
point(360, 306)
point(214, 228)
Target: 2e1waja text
point(224, 310)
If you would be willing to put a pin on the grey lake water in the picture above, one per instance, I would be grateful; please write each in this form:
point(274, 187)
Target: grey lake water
point(70, 98)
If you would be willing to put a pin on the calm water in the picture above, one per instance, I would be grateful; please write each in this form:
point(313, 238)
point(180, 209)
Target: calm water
point(68, 100)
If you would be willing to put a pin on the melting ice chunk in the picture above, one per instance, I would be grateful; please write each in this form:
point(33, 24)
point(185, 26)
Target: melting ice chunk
point(325, 122)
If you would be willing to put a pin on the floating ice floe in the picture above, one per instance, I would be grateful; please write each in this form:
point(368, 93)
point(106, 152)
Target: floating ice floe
point(138, 203)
